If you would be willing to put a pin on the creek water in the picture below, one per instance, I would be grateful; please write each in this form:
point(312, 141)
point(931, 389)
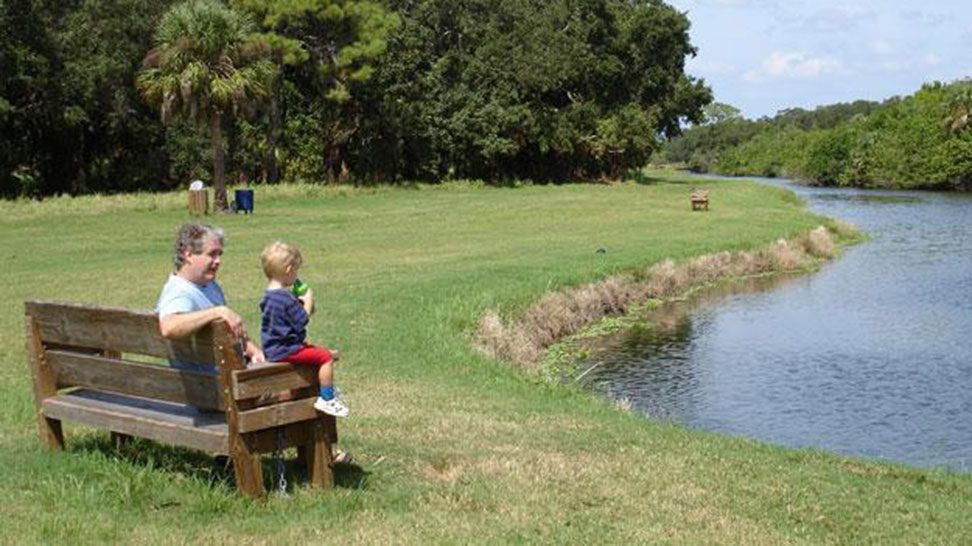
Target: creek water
point(870, 356)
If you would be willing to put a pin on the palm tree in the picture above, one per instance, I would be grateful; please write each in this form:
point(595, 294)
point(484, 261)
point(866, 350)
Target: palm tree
point(205, 65)
point(959, 104)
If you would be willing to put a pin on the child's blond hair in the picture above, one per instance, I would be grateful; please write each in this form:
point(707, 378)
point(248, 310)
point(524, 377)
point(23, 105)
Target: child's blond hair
point(277, 256)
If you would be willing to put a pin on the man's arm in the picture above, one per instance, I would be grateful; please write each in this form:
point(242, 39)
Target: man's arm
point(178, 325)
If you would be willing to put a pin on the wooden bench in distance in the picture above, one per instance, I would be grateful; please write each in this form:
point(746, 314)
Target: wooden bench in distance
point(84, 362)
point(700, 199)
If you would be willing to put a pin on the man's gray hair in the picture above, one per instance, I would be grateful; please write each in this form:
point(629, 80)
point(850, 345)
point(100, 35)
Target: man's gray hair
point(192, 237)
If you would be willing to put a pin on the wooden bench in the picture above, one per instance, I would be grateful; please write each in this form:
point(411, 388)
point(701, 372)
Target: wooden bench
point(87, 364)
point(700, 199)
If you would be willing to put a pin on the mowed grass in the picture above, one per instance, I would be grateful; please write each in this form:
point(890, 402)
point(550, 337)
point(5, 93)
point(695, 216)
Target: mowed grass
point(450, 447)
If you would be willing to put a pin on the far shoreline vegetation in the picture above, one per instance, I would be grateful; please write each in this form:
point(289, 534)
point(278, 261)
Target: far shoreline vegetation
point(920, 141)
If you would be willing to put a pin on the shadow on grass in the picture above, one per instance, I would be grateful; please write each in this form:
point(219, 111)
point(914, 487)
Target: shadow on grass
point(649, 177)
point(213, 470)
point(350, 476)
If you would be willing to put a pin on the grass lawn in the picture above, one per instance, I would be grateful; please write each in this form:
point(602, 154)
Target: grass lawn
point(450, 447)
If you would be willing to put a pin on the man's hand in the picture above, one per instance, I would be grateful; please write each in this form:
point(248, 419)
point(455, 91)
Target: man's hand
point(232, 319)
point(179, 325)
point(254, 352)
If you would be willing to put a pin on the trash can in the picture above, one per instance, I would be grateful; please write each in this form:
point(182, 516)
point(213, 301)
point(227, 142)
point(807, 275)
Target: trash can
point(199, 201)
point(244, 201)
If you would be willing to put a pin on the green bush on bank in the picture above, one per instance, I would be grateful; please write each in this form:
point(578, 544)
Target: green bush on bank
point(919, 141)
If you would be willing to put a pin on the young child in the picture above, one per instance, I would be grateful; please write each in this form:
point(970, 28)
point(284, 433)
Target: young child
point(284, 326)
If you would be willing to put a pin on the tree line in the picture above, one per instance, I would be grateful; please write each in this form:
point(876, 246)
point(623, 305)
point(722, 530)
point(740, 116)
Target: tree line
point(918, 141)
point(123, 95)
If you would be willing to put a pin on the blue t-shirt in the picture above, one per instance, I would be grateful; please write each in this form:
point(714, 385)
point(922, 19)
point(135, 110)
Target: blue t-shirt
point(284, 324)
point(183, 296)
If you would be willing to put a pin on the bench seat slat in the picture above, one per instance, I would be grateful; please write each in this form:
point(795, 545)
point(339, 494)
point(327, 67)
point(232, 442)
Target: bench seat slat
point(175, 424)
point(136, 378)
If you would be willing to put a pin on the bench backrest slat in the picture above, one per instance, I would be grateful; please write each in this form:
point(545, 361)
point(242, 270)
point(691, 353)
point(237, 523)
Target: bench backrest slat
point(73, 369)
point(116, 330)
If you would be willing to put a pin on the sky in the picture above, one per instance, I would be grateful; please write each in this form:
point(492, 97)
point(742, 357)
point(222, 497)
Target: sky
point(763, 56)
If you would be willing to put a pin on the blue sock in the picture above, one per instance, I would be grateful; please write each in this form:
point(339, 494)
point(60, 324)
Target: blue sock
point(327, 393)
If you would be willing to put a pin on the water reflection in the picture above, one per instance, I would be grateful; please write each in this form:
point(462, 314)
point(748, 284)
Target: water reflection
point(652, 364)
point(869, 356)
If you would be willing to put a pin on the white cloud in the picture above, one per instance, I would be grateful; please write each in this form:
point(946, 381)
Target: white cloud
point(792, 65)
point(926, 19)
point(892, 66)
point(882, 47)
point(836, 19)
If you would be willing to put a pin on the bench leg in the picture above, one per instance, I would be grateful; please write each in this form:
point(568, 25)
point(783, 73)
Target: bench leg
point(249, 474)
point(119, 439)
point(45, 386)
point(248, 467)
point(51, 433)
point(316, 456)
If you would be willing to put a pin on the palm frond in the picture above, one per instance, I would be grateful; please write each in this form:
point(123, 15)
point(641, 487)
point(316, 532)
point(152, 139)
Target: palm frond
point(206, 59)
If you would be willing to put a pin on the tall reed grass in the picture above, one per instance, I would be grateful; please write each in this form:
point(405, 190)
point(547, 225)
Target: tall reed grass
point(523, 339)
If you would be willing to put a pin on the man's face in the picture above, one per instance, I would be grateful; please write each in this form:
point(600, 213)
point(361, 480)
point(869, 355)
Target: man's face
point(201, 268)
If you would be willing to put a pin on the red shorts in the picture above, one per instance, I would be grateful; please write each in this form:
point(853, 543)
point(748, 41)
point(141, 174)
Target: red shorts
point(310, 355)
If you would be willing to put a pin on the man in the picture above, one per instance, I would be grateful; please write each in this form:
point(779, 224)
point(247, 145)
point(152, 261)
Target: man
point(191, 298)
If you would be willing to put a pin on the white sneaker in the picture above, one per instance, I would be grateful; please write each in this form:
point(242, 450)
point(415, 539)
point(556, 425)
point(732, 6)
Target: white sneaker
point(333, 407)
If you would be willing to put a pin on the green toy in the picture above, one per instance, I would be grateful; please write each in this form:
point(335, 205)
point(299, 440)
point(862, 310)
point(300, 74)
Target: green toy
point(300, 288)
